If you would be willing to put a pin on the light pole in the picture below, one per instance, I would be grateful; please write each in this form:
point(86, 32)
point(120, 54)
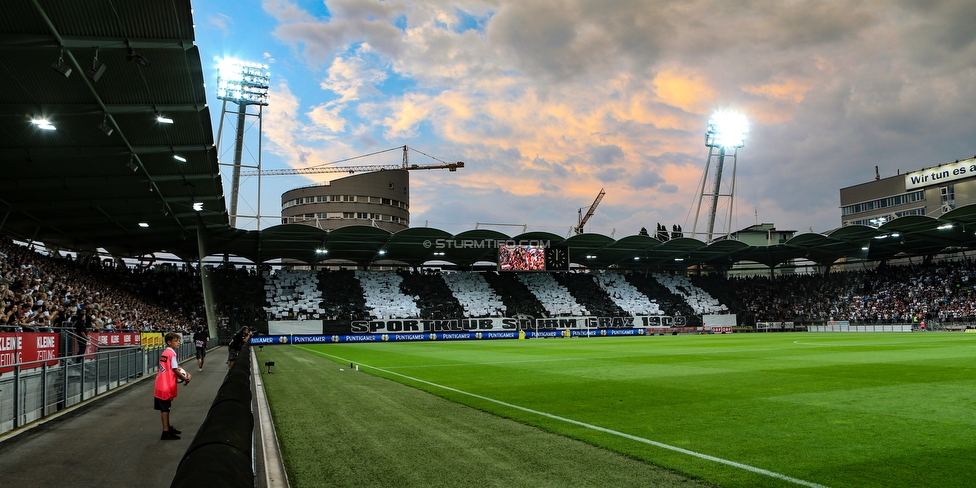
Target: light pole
point(243, 83)
point(725, 134)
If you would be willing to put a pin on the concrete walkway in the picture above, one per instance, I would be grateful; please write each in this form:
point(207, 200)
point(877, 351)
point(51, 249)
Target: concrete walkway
point(112, 440)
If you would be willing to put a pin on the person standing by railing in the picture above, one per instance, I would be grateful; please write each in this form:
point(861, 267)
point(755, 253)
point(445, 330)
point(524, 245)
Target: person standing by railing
point(167, 378)
point(80, 324)
point(234, 348)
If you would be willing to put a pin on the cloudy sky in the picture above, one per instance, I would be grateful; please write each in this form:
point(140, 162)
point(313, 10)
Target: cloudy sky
point(547, 102)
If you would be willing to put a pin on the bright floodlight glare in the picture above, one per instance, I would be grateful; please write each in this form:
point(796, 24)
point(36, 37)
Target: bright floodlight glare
point(43, 124)
point(198, 206)
point(243, 82)
point(727, 129)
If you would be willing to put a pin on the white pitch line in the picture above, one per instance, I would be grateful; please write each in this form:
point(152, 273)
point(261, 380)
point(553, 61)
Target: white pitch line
point(707, 457)
point(488, 363)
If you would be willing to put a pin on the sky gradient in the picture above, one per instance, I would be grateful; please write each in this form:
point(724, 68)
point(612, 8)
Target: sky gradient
point(547, 102)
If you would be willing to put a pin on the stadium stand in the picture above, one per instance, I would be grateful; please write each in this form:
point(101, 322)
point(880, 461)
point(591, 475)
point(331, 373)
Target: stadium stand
point(384, 299)
point(293, 294)
point(555, 298)
point(699, 300)
point(434, 299)
point(342, 295)
point(888, 294)
point(474, 295)
point(594, 299)
point(44, 292)
point(239, 296)
point(515, 295)
point(670, 303)
point(625, 295)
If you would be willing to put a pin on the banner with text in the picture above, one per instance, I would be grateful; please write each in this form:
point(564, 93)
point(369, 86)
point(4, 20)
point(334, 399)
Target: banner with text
point(116, 339)
point(406, 326)
point(18, 347)
point(941, 174)
point(151, 340)
point(439, 336)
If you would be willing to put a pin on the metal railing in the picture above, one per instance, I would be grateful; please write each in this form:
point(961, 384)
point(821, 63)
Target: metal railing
point(38, 389)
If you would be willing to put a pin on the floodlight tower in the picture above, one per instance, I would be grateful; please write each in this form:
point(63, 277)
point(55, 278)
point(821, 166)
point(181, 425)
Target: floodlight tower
point(724, 135)
point(245, 84)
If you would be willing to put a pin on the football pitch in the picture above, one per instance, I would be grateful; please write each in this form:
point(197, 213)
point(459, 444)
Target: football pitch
point(737, 410)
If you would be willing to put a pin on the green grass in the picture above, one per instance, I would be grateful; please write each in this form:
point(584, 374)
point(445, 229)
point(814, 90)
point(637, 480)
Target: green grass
point(836, 410)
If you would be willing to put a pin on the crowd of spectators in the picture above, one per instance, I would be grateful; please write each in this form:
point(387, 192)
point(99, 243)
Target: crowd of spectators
point(43, 293)
point(940, 291)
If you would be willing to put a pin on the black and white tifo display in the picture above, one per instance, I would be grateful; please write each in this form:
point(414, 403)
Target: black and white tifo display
point(391, 304)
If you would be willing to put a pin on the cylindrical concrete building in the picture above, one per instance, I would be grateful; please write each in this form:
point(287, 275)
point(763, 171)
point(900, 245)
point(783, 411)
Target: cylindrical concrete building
point(380, 198)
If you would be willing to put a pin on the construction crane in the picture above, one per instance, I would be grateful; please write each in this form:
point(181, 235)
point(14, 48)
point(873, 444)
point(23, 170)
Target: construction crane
point(589, 213)
point(360, 169)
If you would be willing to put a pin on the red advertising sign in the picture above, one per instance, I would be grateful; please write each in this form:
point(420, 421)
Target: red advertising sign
point(114, 339)
point(19, 347)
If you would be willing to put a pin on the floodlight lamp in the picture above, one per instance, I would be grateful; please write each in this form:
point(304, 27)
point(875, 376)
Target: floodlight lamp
point(131, 55)
point(97, 69)
point(197, 206)
point(322, 251)
point(944, 227)
point(60, 65)
point(132, 164)
point(242, 82)
point(163, 120)
point(382, 252)
point(179, 158)
point(104, 127)
point(727, 129)
point(143, 224)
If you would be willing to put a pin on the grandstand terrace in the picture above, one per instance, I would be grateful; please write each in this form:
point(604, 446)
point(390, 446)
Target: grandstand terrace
point(938, 292)
point(43, 293)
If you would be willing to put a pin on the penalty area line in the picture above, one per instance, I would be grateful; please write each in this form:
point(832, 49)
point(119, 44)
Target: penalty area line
point(605, 430)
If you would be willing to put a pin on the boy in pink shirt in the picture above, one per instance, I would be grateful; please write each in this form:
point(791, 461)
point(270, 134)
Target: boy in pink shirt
point(169, 375)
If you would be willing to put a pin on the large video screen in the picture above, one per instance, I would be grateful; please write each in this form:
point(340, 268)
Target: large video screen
point(518, 257)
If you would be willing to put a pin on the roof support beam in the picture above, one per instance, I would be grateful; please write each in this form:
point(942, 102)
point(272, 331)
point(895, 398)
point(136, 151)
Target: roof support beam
point(62, 153)
point(18, 109)
point(21, 42)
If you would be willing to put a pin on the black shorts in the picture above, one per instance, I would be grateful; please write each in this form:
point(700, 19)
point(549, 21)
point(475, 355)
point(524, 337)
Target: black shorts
point(201, 352)
point(162, 405)
point(232, 354)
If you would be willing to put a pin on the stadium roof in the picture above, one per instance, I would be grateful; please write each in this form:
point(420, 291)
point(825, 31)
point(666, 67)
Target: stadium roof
point(78, 187)
point(362, 245)
point(109, 164)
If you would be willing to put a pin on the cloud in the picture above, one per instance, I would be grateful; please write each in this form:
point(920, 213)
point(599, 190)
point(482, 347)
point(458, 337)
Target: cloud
point(221, 22)
point(554, 99)
point(351, 77)
point(366, 22)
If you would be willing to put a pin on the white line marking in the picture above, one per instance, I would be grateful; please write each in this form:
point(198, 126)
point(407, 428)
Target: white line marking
point(707, 457)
